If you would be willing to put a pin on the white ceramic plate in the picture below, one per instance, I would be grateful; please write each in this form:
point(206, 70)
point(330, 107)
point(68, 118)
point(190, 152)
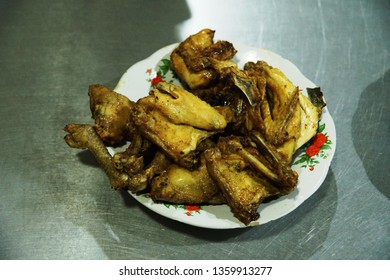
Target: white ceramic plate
point(312, 170)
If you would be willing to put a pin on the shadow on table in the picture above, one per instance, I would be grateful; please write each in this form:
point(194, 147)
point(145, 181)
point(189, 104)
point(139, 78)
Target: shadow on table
point(371, 132)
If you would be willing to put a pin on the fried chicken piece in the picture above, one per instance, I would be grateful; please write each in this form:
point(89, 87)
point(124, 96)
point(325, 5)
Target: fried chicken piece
point(137, 154)
point(182, 107)
point(273, 105)
point(287, 118)
point(247, 175)
point(176, 121)
point(242, 185)
point(83, 136)
point(252, 84)
point(280, 111)
point(262, 157)
point(111, 112)
point(190, 187)
point(279, 171)
point(190, 59)
point(310, 115)
point(178, 141)
point(311, 111)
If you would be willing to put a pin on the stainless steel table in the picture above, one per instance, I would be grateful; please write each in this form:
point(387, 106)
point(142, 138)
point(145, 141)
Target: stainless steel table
point(56, 203)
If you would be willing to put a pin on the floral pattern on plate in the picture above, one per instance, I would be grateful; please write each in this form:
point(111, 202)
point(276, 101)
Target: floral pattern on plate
point(316, 149)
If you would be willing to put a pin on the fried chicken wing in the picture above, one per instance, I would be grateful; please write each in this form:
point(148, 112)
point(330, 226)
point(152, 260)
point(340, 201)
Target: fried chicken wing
point(178, 141)
point(182, 107)
point(176, 121)
point(246, 177)
point(242, 188)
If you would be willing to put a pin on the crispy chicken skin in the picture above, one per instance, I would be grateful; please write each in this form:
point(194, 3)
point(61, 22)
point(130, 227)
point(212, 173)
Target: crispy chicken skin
point(243, 187)
point(182, 107)
point(190, 60)
point(281, 113)
point(176, 121)
point(273, 106)
point(178, 141)
point(190, 187)
point(111, 111)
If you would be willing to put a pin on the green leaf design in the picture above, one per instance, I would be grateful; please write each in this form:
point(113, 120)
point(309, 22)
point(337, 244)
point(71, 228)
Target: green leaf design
point(321, 128)
point(176, 206)
point(302, 159)
point(326, 147)
point(163, 71)
point(164, 68)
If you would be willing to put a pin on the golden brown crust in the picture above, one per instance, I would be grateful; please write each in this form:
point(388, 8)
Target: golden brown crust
point(229, 138)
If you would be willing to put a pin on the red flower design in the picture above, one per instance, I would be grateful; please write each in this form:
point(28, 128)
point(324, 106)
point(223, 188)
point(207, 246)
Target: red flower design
point(192, 208)
point(312, 150)
point(319, 140)
point(315, 150)
point(157, 80)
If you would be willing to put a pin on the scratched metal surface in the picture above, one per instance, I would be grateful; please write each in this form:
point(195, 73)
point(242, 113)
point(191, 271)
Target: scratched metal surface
point(55, 203)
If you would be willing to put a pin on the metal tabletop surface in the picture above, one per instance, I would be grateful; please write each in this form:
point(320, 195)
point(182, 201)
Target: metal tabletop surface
point(56, 203)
